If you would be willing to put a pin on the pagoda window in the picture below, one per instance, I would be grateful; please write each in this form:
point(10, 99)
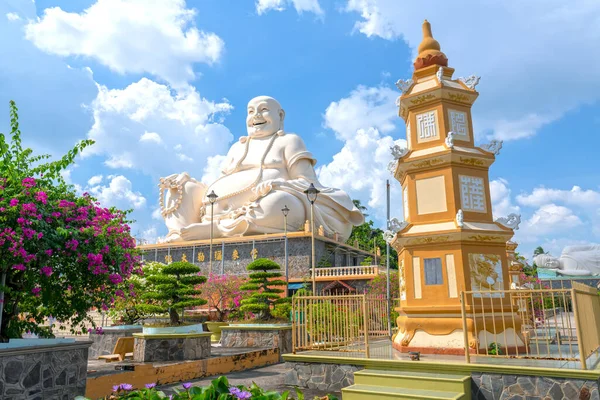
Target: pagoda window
point(433, 271)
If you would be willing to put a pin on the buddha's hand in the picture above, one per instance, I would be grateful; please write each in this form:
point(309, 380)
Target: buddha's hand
point(263, 188)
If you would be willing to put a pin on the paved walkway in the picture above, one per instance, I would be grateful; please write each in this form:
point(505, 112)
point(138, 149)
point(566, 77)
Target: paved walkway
point(269, 378)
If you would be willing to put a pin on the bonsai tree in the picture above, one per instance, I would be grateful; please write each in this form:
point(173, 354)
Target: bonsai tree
point(173, 288)
point(263, 282)
point(223, 293)
point(61, 254)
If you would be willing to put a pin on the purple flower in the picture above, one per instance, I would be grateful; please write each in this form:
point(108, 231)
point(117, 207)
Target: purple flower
point(115, 387)
point(150, 385)
point(36, 291)
point(239, 394)
point(126, 386)
point(28, 182)
point(187, 385)
point(13, 202)
point(46, 270)
point(19, 267)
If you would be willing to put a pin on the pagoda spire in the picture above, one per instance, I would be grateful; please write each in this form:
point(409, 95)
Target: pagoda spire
point(429, 50)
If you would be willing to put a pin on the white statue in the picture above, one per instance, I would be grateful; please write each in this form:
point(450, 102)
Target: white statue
point(388, 236)
point(512, 221)
point(493, 147)
point(404, 84)
point(266, 171)
point(396, 225)
point(440, 75)
point(460, 219)
point(470, 81)
point(397, 153)
point(579, 260)
point(450, 140)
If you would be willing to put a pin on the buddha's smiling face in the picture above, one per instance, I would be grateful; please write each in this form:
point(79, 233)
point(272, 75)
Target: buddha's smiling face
point(265, 116)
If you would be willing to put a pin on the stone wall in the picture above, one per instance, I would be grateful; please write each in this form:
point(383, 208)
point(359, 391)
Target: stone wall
point(515, 387)
point(324, 377)
point(234, 257)
point(176, 347)
point(44, 372)
point(259, 338)
point(104, 344)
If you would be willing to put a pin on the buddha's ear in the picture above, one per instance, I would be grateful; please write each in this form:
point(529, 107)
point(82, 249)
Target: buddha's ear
point(281, 114)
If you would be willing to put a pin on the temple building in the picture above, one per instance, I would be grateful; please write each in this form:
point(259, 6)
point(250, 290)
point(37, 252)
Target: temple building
point(449, 242)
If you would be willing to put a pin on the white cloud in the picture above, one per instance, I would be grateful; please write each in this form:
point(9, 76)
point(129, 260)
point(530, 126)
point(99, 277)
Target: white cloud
point(363, 177)
point(130, 36)
point(11, 16)
point(576, 196)
point(516, 66)
point(156, 214)
point(501, 198)
point(213, 168)
point(361, 121)
point(95, 180)
point(151, 137)
point(552, 218)
point(365, 107)
point(262, 6)
point(150, 111)
point(117, 193)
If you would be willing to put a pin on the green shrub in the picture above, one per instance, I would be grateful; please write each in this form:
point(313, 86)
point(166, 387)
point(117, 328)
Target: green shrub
point(173, 288)
point(265, 300)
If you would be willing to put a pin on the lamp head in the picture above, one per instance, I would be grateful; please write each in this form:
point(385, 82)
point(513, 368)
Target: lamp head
point(311, 193)
point(285, 210)
point(212, 197)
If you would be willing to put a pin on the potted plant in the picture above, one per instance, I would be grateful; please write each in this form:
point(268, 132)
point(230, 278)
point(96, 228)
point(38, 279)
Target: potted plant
point(173, 288)
point(223, 293)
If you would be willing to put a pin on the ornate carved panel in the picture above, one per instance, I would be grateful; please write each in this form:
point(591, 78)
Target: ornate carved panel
point(472, 193)
point(427, 129)
point(459, 124)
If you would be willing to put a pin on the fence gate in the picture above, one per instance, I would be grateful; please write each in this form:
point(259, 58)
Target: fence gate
point(338, 323)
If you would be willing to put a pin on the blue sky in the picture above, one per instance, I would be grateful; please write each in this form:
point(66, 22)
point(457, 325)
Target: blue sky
point(162, 87)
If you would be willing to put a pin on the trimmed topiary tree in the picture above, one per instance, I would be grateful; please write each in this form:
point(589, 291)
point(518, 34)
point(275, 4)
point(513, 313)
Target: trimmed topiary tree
point(263, 282)
point(172, 289)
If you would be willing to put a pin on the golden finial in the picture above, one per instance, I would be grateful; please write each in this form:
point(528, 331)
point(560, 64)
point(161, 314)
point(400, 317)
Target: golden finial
point(429, 50)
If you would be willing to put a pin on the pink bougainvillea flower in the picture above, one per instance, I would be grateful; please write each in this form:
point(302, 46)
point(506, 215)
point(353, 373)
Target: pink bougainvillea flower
point(19, 267)
point(46, 271)
point(36, 291)
point(28, 182)
point(42, 197)
point(13, 202)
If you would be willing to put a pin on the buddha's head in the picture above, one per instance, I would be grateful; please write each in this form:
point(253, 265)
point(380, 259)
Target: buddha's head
point(265, 116)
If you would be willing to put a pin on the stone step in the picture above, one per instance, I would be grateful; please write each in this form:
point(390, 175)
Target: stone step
point(363, 392)
point(414, 380)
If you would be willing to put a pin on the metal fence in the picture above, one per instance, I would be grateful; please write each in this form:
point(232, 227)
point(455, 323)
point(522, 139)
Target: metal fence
point(549, 324)
point(345, 323)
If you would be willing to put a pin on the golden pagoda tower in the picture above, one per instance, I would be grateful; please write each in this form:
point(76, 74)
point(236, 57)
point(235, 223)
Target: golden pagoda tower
point(449, 242)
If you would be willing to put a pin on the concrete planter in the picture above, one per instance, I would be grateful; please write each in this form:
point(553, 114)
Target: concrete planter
point(215, 329)
point(171, 347)
point(104, 343)
point(39, 369)
point(168, 330)
point(256, 335)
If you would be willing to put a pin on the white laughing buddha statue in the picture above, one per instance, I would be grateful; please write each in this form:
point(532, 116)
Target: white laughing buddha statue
point(266, 171)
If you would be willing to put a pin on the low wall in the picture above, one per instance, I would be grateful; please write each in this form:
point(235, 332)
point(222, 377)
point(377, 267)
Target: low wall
point(44, 372)
point(495, 386)
point(325, 377)
point(104, 344)
point(99, 384)
point(171, 347)
point(258, 337)
point(328, 376)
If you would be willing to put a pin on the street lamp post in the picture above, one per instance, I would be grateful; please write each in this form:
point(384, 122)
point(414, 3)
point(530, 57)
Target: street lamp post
point(311, 194)
point(285, 210)
point(212, 197)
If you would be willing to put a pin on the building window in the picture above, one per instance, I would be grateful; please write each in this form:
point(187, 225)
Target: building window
point(433, 271)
